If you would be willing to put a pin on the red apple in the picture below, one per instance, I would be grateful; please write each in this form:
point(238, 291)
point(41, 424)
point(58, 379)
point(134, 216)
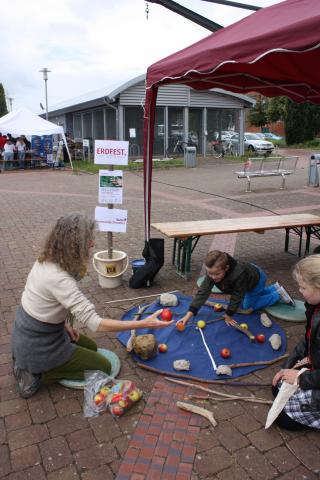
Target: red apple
point(260, 338)
point(225, 353)
point(99, 399)
point(180, 326)
point(162, 347)
point(117, 410)
point(166, 315)
point(217, 307)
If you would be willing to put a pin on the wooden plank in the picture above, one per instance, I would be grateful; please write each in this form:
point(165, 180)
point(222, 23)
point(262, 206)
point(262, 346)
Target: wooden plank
point(235, 225)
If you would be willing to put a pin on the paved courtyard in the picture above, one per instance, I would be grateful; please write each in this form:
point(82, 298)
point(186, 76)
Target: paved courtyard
point(47, 437)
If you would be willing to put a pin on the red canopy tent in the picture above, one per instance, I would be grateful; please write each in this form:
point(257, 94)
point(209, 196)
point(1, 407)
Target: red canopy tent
point(275, 51)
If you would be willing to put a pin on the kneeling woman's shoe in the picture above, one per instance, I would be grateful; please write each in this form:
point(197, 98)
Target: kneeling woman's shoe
point(27, 383)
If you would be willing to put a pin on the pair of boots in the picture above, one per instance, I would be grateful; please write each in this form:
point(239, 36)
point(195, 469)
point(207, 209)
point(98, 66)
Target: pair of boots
point(27, 383)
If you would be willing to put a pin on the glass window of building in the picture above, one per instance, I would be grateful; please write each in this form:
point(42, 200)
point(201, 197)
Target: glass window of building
point(159, 132)
point(111, 124)
point(87, 125)
point(195, 128)
point(98, 127)
point(77, 128)
point(133, 122)
point(175, 126)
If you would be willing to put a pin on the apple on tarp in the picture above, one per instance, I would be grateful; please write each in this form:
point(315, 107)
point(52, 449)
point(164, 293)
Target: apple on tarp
point(225, 352)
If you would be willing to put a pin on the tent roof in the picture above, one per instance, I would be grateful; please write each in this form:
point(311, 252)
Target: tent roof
point(274, 51)
point(25, 122)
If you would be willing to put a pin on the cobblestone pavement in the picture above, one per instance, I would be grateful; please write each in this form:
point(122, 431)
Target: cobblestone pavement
point(47, 437)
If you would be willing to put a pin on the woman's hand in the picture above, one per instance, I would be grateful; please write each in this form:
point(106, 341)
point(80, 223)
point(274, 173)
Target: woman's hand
point(288, 375)
point(153, 322)
point(229, 321)
point(72, 332)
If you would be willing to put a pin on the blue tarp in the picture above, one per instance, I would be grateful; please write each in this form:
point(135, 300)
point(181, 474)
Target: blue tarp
point(188, 344)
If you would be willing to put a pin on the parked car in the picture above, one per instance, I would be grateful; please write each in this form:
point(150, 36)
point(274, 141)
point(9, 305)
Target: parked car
point(260, 135)
point(226, 134)
point(272, 136)
point(253, 143)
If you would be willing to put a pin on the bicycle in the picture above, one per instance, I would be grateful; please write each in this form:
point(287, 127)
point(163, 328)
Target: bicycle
point(177, 150)
point(220, 148)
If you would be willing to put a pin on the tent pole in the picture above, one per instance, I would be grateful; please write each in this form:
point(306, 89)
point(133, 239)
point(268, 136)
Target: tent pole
point(66, 144)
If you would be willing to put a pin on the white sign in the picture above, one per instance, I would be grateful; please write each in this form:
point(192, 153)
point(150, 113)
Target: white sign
point(110, 152)
point(85, 143)
point(132, 132)
point(111, 219)
point(110, 186)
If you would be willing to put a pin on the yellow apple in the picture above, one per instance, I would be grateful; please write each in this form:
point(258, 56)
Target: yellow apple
point(201, 324)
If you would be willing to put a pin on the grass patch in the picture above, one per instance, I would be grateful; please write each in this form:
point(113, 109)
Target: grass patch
point(90, 167)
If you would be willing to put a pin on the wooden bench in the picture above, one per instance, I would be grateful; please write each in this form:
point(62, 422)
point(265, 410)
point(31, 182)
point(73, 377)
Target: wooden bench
point(268, 167)
point(187, 234)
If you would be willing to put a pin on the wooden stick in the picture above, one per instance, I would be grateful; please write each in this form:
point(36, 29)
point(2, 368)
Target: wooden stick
point(202, 380)
point(245, 331)
point(262, 362)
point(215, 392)
point(198, 410)
point(129, 345)
point(138, 298)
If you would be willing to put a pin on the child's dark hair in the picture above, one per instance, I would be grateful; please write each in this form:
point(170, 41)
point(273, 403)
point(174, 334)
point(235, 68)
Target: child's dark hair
point(217, 259)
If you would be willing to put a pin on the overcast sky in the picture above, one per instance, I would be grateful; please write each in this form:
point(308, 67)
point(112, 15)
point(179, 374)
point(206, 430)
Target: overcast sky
point(91, 44)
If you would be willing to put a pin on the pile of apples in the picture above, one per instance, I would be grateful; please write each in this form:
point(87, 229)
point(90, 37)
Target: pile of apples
point(119, 397)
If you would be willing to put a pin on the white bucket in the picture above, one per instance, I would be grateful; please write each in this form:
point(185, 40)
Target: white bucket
point(110, 270)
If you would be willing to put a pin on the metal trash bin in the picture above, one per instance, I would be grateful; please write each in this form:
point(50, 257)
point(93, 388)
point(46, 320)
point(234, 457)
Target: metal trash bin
point(190, 157)
point(314, 170)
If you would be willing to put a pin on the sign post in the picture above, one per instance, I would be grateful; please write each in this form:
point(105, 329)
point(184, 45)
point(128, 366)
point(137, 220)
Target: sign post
point(110, 153)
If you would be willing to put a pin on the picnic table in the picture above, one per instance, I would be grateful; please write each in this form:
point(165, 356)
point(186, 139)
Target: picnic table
point(187, 234)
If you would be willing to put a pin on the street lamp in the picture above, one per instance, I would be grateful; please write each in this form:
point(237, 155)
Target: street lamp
point(45, 72)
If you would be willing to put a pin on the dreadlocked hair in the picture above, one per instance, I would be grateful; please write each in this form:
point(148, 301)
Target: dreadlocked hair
point(68, 244)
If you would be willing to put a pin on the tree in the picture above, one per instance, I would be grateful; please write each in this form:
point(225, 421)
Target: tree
point(258, 113)
point(3, 104)
point(302, 122)
point(276, 109)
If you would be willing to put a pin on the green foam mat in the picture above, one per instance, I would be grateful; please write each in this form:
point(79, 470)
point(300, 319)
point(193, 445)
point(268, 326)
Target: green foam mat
point(115, 369)
point(214, 290)
point(286, 312)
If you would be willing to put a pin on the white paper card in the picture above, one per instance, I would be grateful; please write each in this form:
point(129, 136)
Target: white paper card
point(110, 186)
point(111, 219)
point(111, 152)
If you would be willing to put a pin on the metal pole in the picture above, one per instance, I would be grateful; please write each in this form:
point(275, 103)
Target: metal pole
point(45, 72)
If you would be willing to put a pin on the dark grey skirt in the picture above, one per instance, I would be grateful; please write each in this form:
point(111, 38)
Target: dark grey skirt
point(39, 346)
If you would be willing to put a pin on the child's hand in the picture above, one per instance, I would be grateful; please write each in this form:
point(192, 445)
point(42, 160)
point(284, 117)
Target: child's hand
point(229, 321)
point(288, 375)
point(186, 318)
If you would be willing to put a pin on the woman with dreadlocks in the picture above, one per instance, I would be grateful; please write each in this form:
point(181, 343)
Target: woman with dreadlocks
point(45, 346)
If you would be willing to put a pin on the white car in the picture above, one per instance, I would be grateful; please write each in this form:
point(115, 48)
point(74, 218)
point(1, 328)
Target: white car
point(253, 143)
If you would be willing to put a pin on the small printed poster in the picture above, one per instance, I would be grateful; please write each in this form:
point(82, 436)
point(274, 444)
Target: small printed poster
point(132, 132)
point(111, 152)
point(111, 219)
point(110, 186)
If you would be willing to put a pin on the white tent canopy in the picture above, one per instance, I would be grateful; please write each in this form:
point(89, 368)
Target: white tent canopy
point(25, 122)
